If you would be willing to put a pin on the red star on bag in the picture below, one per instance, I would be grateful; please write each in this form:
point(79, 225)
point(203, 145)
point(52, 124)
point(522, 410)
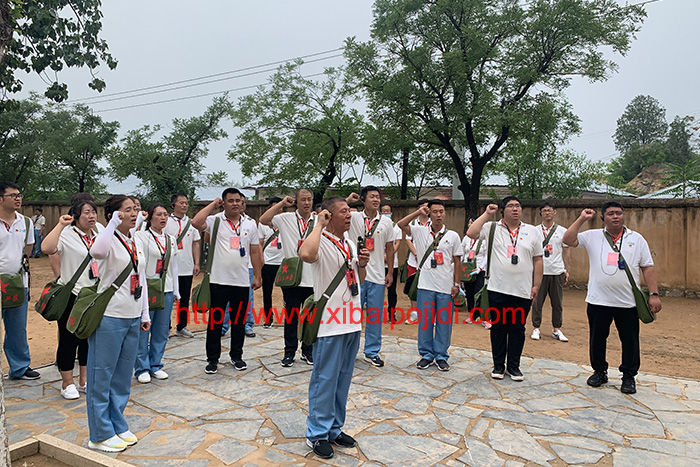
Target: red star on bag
point(45, 291)
point(3, 286)
point(284, 268)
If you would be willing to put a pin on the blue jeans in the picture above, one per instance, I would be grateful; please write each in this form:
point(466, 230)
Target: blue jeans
point(372, 296)
point(250, 319)
point(334, 362)
point(435, 327)
point(150, 354)
point(36, 251)
point(111, 355)
point(15, 346)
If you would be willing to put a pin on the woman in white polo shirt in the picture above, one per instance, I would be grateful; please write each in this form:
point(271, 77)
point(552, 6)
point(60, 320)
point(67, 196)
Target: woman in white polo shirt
point(71, 239)
point(153, 242)
point(112, 347)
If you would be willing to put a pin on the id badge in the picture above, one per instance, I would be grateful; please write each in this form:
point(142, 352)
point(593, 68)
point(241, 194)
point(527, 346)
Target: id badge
point(369, 243)
point(180, 246)
point(548, 248)
point(159, 266)
point(275, 242)
point(235, 242)
point(94, 274)
point(135, 284)
point(438, 257)
point(512, 251)
point(242, 251)
point(352, 283)
point(613, 259)
point(471, 254)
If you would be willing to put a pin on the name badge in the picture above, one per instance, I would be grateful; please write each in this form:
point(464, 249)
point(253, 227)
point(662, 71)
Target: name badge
point(235, 242)
point(180, 246)
point(275, 242)
point(135, 287)
point(159, 266)
point(512, 251)
point(471, 254)
point(369, 243)
point(93, 273)
point(352, 282)
point(438, 257)
point(613, 259)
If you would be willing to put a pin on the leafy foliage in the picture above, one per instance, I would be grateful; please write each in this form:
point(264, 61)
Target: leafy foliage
point(643, 122)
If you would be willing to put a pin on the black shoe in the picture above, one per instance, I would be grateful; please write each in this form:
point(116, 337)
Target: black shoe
point(597, 379)
point(516, 375)
point(211, 368)
point(376, 361)
point(30, 374)
point(442, 365)
point(309, 359)
point(287, 361)
point(249, 333)
point(239, 365)
point(628, 385)
point(345, 441)
point(267, 325)
point(498, 373)
point(423, 364)
point(322, 448)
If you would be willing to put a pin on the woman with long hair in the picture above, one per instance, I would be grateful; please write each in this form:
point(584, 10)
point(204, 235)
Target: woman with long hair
point(155, 243)
point(113, 345)
point(71, 240)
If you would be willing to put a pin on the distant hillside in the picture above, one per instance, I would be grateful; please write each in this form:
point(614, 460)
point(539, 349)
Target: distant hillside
point(649, 180)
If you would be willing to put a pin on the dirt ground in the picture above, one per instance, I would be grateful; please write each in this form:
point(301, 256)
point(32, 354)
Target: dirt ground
point(669, 346)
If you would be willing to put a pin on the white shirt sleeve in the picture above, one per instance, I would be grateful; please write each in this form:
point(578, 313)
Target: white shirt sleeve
point(103, 241)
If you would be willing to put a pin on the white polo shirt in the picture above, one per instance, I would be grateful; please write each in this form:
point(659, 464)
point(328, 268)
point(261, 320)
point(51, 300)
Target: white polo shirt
point(12, 245)
point(468, 244)
point(412, 260)
point(122, 304)
point(554, 265)
point(607, 284)
point(250, 262)
point(152, 251)
point(229, 268)
point(505, 277)
point(273, 252)
point(291, 230)
point(383, 234)
point(73, 249)
point(185, 260)
point(440, 278)
point(329, 261)
point(38, 221)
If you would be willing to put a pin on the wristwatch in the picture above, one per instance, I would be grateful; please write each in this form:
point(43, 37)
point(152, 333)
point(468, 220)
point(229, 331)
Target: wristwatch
point(456, 284)
point(654, 293)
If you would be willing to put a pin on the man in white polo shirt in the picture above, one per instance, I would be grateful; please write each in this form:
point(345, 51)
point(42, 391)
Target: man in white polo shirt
point(16, 240)
point(515, 277)
point(391, 296)
point(180, 227)
point(273, 256)
point(338, 341)
point(412, 318)
point(237, 237)
point(293, 228)
point(556, 273)
point(438, 282)
point(610, 296)
point(377, 234)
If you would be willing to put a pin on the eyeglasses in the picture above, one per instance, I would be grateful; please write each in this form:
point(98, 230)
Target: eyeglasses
point(15, 195)
point(513, 206)
point(547, 210)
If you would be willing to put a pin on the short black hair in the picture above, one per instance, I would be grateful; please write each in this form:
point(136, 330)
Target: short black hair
point(367, 189)
point(506, 200)
point(81, 197)
point(231, 191)
point(114, 203)
point(76, 209)
point(274, 200)
point(174, 198)
point(300, 190)
point(5, 185)
point(610, 204)
point(318, 208)
point(151, 209)
point(39, 209)
point(545, 205)
point(329, 203)
point(387, 205)
point(423, 201)
point(434, 202)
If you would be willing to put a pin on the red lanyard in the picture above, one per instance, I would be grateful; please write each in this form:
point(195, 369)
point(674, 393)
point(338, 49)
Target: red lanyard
point(369, 225)
point(619, 237)
point(303, 226)
point(161, 248)
point(7, 226)
point(179, 226)
point(132, 253)
point(473, 242)
point(341, 247)
point(545, 232)
point(513, 234)
point(87, 241)
point(236, 227)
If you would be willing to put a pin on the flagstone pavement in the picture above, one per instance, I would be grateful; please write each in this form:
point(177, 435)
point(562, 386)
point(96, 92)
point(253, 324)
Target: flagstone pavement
point(400, 415)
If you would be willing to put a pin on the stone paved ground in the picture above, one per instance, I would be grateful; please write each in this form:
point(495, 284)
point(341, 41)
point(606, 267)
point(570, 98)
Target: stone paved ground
point(401, 416)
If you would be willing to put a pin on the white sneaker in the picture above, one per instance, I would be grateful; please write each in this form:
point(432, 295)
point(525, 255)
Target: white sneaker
point(128, 437)
point(184, 332)
point(558, 335)
point(83, 388)
point(113, 444)
point(413, 318)
point(535, 334)
point(468, 321)
point(486, 324)
point(160, 374)
point(70, 393)
point(144, 378)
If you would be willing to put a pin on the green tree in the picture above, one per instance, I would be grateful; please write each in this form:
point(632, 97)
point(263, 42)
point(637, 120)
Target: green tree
point(20, 160)
point(643, 122)
point(678, 142)
point(46, 36)
point(467, 70)
point(637, 158)
point(297, 132)
point(687, 177)
point(173, 162)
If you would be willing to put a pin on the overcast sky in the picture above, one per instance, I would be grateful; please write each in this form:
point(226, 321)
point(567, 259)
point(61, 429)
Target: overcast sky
point(159, 41)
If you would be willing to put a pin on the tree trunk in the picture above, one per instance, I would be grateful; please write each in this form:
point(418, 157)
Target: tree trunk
point(5, 28)
point(404, 174)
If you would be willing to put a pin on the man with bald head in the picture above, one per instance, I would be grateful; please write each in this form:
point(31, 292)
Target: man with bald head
point(293, 229)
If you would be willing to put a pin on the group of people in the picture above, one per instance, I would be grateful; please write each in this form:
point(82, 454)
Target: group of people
point(345, 256)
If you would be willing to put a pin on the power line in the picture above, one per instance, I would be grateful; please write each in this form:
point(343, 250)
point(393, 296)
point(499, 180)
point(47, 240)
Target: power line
point(278, 62)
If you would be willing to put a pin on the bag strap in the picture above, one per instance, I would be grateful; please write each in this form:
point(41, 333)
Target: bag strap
point(26, 231)
point(212, 244)
point(492, 232)
point(78, 272)
point(549, 235)
point(432, 247)
point(270, 239)
point(478, 246)
point(335, 282)
point(122, 277)
point(166, 260)
point(309, 228)
point(184, 231)
point(627, 268)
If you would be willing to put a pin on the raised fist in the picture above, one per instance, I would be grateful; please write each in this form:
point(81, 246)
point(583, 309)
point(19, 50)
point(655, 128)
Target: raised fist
point(288, 201)
point(324, 217)
point(491, 209)
point(65, 220)
point(587, 214)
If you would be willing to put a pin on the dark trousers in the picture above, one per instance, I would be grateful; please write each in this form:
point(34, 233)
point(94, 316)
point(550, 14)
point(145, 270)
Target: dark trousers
point(68, 343)
point(269, 272)
point(183, 306)
point(293, 299)
point(627, 323)
point(470, 289)
point(552, 285)
point(237, 299)
point(508, 330)
point(391, 296)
